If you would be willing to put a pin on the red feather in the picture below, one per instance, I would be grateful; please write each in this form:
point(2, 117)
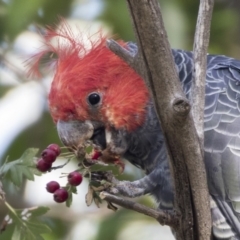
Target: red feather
point(81, 70)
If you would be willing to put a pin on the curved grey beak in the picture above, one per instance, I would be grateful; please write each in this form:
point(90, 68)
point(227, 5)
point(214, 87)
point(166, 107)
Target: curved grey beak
point(74, 133)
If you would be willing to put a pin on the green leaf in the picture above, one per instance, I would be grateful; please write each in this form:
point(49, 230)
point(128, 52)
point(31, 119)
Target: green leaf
point(15, 175)
point(35, 171)
point(88, 149)
point(37, 227)
point(28, 156)
point(27, 173)
point(5, 167)
point(38, 211)
point(18, 172)
point(23, 167)
point(27, 224)
point(69, 200)
point(17, 233)
point(73, 189)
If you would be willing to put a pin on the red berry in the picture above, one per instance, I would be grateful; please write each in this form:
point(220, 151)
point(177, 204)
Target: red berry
point(52, 186)
point(49, 155)
point(75, 178)
point(43, 166)
point(96, 155)
point(60, 195)
point(55, 148)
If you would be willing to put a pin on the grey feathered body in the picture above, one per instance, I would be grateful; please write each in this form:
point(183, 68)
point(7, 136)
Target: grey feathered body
point(146, 147)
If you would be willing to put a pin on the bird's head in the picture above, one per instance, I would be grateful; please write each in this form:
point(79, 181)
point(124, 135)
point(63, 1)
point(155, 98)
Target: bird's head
point(92, 88)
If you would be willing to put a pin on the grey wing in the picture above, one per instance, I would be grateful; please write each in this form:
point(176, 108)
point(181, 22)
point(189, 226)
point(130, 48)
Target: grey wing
point(222, 141)
point(222, 137)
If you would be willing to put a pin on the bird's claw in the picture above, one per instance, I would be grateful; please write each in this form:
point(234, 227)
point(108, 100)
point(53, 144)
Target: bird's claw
point(99, 176)
point(107, 181)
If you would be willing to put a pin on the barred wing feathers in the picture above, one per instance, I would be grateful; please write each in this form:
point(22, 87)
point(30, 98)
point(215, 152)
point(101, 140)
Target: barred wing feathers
point(222, 136)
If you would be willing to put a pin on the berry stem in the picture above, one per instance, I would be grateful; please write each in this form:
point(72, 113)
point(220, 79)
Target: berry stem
point(61, 166)
point(67, 154)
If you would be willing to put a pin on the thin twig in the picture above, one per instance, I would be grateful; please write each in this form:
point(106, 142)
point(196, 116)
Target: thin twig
point(169, 218)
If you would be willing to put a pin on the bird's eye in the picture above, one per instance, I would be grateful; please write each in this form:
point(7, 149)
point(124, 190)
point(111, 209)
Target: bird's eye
point(94, 98)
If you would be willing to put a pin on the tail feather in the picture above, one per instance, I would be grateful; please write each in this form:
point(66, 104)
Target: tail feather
point(225, 223)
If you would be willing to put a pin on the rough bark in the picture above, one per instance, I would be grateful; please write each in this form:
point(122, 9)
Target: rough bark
point(201, 42)
point(155, 64)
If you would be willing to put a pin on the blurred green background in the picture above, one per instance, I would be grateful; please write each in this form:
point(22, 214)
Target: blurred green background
point(21, 17)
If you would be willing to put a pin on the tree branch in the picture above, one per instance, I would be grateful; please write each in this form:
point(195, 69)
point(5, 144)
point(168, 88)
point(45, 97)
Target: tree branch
point(159, 72)
point(200, 48)
point(163, 217)
point(133, 60)
point(201, 42)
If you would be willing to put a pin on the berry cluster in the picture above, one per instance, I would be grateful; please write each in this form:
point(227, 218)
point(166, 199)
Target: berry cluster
point(60, 194)
point(48, 156)
point(63, 193)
